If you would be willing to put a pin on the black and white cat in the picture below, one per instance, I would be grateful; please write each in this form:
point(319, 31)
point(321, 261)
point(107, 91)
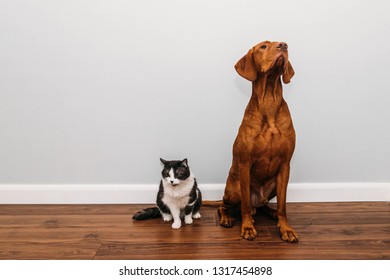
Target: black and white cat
point(178, 195)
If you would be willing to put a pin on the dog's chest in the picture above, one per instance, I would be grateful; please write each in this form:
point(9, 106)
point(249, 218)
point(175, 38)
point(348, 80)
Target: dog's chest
point(269, 150)
point(272, 142)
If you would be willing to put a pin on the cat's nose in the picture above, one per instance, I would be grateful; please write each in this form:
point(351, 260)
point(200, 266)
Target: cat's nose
point(172, 181)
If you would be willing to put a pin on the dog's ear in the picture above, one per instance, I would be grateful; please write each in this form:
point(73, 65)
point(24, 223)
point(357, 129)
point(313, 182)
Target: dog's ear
point(288, 73)
point(245, 67)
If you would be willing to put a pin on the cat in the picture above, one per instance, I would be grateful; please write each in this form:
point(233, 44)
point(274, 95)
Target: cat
point(178, 195)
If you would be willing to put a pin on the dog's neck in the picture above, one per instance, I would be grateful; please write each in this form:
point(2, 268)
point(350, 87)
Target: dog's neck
point(267, 97)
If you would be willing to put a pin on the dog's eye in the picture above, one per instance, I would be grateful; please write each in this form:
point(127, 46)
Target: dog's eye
point(263, 47)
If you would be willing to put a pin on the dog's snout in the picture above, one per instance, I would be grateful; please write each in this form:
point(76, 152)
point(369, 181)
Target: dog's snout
point(283, 46)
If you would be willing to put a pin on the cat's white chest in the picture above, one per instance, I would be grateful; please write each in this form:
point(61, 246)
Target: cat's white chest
point(177, 196)
point(175, 202)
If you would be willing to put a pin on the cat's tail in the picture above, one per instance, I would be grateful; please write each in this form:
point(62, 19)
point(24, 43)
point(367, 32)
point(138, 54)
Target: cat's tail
point(147, 213)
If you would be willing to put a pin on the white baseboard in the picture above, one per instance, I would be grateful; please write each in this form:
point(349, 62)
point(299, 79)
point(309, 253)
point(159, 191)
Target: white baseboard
point(146, 193)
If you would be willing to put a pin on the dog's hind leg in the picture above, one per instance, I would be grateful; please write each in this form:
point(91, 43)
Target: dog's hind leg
point(231, 201)
point(269, 192)
point(269, 211)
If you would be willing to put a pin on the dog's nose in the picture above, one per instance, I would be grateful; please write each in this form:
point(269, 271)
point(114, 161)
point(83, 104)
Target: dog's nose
point(283, 46)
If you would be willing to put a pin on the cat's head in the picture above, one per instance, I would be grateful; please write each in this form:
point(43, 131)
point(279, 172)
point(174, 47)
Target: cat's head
point(175, 171)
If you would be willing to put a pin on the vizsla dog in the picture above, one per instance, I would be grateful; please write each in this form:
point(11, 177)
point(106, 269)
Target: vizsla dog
point(264, 145)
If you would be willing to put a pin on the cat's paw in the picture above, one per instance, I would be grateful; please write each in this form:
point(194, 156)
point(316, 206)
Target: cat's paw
point(196, 215)
point(176, 225)
point(167, 217)
point(188, 219)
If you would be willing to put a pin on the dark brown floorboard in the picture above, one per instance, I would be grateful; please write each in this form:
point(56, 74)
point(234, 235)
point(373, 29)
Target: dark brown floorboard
point(327, 231)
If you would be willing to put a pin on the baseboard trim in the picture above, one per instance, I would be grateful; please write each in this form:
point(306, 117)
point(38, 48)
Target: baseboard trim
point(146, 193)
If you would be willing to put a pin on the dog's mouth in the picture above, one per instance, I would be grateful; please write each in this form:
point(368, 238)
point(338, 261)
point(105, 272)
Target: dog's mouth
point(280, 61)
point(277, 65)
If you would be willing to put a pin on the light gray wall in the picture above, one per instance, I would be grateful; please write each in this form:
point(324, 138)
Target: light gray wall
point(97, 91)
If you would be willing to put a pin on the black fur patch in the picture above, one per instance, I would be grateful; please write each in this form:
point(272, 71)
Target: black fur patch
point(160, 204)
point(147, 213)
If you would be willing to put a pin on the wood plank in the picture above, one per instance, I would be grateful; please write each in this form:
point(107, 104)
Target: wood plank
point(338, 207)
point(242, 249)
point(64, 250)
point(124, 220)
point(68, 209)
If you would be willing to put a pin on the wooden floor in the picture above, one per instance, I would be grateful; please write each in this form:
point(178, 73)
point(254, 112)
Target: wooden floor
point(327, 231)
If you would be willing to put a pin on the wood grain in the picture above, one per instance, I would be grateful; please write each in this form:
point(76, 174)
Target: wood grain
point(326, 230)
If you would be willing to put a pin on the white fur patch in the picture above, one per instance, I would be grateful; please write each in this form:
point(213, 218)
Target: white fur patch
point(196, 215)
point(166, 217)
point(188, 219)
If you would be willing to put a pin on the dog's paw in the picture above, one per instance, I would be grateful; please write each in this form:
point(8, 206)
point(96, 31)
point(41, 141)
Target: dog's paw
point(248, 233)
point(226, 221)
point(288, 234)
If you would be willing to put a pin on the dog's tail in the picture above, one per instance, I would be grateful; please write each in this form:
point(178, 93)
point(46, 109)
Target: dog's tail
point(211, 202)
point(147, 213)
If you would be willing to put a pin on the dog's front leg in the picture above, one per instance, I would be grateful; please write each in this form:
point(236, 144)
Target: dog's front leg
point(248, 230)
point(287, 233)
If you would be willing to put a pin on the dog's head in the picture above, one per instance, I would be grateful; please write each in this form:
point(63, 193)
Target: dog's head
point(265, 58)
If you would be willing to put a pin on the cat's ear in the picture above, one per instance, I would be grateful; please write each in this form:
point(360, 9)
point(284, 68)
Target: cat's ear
point(163, 161)
point(184, 163)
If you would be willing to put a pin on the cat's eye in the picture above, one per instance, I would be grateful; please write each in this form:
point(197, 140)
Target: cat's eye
point(263, 47)
point(180, 171)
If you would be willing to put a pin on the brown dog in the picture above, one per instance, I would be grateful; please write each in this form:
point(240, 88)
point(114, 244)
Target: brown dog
point(265, 143)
